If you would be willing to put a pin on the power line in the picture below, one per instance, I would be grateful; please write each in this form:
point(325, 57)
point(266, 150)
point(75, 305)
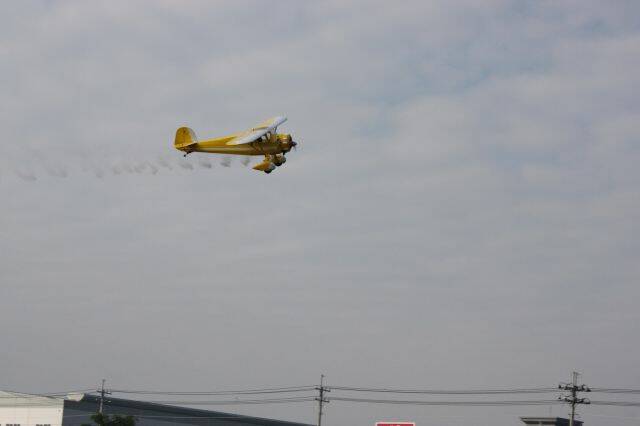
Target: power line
point(309, 398)
point(447, 392)
point(299, 394)
point(239, 401)
point(294, 389)
point(612, 390)
point(289, 389)
point(445, 403)
point(617, 403)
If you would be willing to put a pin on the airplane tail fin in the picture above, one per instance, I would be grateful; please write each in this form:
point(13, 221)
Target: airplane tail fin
point(185, 137)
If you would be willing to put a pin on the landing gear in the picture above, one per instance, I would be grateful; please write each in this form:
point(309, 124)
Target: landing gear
point(279, 159)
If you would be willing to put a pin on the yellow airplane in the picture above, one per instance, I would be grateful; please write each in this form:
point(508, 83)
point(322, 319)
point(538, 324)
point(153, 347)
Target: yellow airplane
point(260, 140)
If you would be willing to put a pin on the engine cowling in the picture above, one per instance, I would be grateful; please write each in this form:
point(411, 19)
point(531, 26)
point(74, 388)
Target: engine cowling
point(286, 143)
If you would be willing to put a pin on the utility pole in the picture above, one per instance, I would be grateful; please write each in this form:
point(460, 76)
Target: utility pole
point(572, 398)
point(102, 392)
point(321, 399)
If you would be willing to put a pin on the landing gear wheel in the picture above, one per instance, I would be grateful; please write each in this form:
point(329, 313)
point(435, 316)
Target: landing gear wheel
point(267, 171)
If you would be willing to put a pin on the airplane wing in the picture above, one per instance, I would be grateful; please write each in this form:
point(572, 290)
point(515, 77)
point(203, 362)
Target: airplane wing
point(257, 132)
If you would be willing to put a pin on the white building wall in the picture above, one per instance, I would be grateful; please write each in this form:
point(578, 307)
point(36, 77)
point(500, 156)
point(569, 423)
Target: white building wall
point(29, 410)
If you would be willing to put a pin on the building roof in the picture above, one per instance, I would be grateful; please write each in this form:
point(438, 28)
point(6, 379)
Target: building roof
point(14, 399)
point(78, 407)
point(556, 421)
point(140, 408)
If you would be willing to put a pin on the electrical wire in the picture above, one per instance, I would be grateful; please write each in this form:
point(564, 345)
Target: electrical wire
point(289, 389)
point(445, 403)
point(55, 397)
point(617, 403)
point(446, 392)
point(306, 398)
point(612, 390)
point(239, 401)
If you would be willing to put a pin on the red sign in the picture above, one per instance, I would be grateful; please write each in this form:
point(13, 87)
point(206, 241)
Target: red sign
point(395, 424)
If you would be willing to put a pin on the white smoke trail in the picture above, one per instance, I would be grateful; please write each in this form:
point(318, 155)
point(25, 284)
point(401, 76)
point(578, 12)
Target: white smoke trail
point(205, 164)
point(139, 168)
point(54, 171)
point(127, 168)
point(27, 176)
point(185, 165)
point(106, 166)
point(163, 163)
point(152, 168)
point(97, 171)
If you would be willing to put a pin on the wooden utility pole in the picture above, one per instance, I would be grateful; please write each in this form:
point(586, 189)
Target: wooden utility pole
point(572, 398)
point(321, 399)
point(102, 392)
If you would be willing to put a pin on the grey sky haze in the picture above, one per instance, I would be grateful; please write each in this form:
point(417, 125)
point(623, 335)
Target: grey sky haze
point(462, 211)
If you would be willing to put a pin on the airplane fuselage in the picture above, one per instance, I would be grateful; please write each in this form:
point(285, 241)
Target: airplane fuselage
point(272, 144)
